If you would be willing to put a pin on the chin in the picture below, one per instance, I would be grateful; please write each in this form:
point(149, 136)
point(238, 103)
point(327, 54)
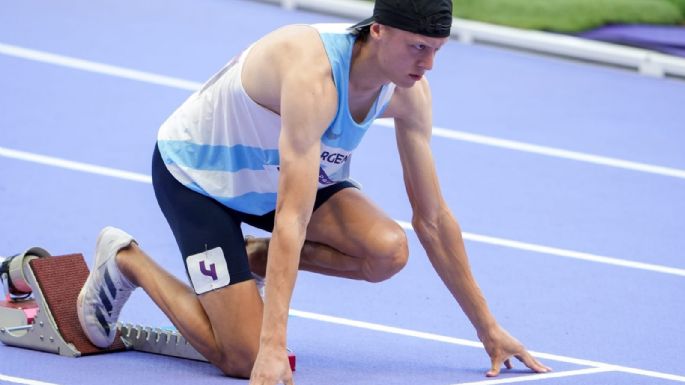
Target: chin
point(406, 83)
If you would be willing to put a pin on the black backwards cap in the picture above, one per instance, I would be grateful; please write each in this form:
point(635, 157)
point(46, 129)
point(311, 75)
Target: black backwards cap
point(431, 18)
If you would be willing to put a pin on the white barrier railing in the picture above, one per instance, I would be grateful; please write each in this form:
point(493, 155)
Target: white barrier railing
point(645, 61)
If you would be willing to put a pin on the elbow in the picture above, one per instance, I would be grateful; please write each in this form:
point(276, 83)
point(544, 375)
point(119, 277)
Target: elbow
point(291, 226)
point(291, 221)
point(429, 228)
point(426, 228)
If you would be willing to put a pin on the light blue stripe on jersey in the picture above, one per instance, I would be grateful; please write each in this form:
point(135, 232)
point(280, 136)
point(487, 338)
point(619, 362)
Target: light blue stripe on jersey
point(252, 203)
point(216, 158)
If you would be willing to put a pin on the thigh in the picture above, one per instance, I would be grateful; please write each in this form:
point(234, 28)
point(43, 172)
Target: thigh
point(208, 234)
point(211, 242)
point(352, 224)
point(235, 314)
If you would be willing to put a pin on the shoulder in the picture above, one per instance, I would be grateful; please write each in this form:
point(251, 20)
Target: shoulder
point(293, 48)
point(410, 103)
point(291, 59)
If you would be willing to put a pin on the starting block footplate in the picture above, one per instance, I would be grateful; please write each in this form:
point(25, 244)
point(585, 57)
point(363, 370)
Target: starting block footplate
point(49, 322)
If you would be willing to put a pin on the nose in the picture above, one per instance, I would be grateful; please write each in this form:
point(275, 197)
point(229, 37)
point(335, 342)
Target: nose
point(427, 60)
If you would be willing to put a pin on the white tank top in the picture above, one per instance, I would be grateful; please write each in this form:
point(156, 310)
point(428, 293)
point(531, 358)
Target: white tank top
point(224, 145)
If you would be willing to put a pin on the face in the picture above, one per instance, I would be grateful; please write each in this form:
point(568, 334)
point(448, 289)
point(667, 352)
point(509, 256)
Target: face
point(404, 56)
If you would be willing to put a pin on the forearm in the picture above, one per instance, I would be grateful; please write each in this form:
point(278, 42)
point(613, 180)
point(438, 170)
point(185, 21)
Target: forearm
point(443, 242)
point(281, 273)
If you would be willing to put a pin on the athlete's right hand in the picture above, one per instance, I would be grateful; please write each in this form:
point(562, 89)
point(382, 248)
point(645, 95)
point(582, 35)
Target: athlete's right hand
point(271, 367)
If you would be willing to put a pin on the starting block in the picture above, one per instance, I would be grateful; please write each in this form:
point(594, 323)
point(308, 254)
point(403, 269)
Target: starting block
point(48, 322)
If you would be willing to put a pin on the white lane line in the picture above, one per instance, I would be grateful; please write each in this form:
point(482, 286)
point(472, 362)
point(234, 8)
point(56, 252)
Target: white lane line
point(463, 342)
point(26, 381)
point(148, 77)
point(562, 252)
point(538, 377)
point(551, 151)
point(559, 153)
point(651, 373)
point(573, 254)
point(76, 166)
point(432, 336)
point(136, 177)
point(99, 68)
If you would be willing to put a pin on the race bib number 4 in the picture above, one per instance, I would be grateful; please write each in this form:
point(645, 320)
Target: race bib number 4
point(208, 270)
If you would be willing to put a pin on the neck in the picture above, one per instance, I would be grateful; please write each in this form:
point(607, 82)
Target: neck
point(365, 72)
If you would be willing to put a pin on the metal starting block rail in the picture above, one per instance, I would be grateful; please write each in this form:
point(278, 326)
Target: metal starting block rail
point(40, 311)
point(158, 341)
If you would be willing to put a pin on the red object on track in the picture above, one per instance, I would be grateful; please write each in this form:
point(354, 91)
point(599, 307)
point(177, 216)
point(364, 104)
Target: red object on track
point(292, 359)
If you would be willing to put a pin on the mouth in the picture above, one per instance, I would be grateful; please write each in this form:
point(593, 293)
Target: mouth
point(415, 77)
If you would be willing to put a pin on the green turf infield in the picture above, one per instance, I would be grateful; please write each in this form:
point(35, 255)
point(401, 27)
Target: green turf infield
point(569, 16)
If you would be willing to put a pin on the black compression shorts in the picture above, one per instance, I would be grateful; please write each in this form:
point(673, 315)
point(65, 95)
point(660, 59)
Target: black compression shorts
point(208, 233)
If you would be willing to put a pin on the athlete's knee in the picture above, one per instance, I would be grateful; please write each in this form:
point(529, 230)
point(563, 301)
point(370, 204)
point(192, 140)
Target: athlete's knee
point(237, 364)
point(389, 255)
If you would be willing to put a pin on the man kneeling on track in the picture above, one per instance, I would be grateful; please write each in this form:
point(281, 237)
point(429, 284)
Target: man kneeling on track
point(267, 141)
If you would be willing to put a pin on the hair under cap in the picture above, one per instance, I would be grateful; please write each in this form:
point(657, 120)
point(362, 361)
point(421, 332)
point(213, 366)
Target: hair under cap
point(431, 18)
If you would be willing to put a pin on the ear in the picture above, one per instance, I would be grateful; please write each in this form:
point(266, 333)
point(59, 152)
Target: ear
point(376, 29)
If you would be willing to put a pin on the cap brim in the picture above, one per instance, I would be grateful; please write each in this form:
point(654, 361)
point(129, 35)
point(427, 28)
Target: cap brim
point(362, 24)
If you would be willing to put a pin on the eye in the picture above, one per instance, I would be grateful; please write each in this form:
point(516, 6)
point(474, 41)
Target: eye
point(419, 46)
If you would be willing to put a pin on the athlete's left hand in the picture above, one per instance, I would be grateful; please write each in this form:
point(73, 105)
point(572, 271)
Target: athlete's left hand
point(501, 346)
point(271, 367)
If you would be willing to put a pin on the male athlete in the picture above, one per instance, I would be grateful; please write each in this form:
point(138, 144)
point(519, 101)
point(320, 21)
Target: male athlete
point(255, 145)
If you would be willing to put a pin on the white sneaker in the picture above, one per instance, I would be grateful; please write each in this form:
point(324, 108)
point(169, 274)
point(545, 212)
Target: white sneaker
point(261, 284)
point(106, 289)
point(258, 279)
